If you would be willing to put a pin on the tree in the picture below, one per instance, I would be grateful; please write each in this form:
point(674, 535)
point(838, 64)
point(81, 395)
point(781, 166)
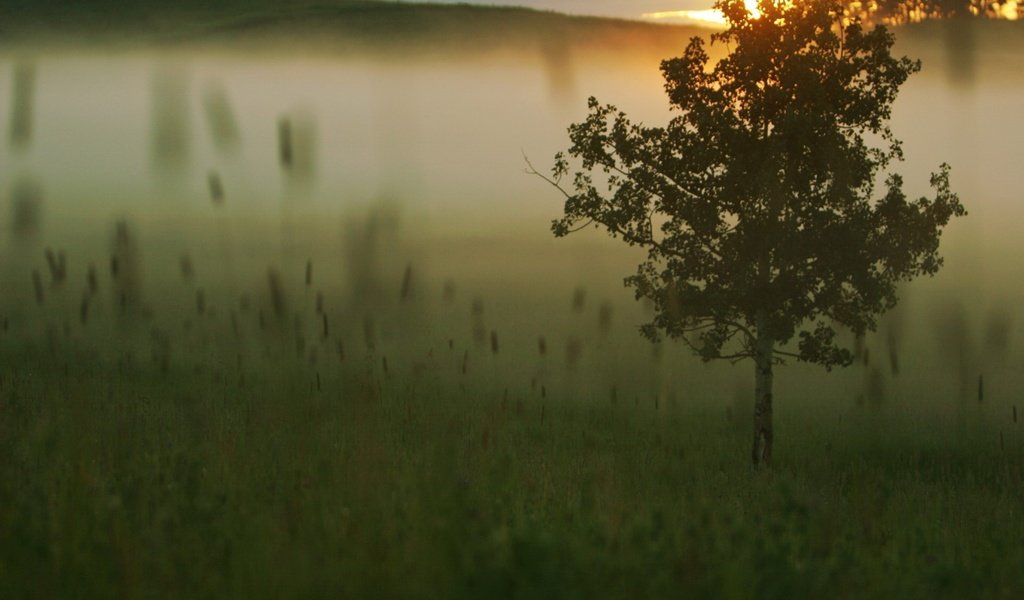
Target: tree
point(756, 203)
point(912, 11)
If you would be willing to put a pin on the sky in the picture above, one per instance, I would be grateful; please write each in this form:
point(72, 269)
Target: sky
point(609, 8)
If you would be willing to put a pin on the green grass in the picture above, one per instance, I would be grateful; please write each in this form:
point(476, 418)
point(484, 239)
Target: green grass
point(237, 477)
point(233, 473)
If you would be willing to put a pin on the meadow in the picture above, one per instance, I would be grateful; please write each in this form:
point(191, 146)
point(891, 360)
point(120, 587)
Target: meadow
point(409, 450)
point(358, 365)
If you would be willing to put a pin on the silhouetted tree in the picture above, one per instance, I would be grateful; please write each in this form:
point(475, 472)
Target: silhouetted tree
point(911, 11)
point(756, 203)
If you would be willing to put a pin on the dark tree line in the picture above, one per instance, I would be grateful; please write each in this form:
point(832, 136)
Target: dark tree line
point(910, 11)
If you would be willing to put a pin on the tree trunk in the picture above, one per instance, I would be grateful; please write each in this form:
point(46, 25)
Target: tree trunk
point(765, 347)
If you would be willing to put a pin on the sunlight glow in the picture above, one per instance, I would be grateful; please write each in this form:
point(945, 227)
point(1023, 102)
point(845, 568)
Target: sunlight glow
point(1009, 10)
point(709, 17)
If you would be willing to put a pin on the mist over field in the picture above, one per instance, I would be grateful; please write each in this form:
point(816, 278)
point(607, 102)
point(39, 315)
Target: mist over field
point(440, 142)
point(345, 222)
point(625, 9)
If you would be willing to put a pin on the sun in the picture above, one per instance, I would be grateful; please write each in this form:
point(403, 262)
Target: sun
point(709, 17)
point(1010, 10)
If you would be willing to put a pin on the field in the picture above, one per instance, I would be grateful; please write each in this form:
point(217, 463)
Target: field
point(245, 454)
point(371, 372)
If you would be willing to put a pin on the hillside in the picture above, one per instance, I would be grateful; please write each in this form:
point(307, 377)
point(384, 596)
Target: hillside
point(335, 25)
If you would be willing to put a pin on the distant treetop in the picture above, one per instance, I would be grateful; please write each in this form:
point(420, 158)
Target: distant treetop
point(913, 11)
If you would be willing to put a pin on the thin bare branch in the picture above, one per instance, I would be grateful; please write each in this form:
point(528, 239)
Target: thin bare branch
point(530, 170)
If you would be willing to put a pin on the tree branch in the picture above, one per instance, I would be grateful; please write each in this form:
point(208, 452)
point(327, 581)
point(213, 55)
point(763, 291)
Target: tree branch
point(787, 354)
point(552, 182)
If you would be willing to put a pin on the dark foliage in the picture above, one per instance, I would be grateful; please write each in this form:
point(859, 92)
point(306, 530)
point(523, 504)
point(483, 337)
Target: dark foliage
point(757, 203)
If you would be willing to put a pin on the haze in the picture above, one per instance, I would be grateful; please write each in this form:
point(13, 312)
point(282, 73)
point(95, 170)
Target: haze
point(624, 9)
point(282, 314)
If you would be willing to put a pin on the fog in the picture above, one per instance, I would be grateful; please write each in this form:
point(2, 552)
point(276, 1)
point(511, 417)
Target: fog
point(609, 8)
point(388, 175)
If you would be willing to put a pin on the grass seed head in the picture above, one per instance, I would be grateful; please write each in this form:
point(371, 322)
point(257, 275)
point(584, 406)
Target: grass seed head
point(277, 296)
point(406, 283)
point(51, 263)
point(285, 148)
point(579, 299)
point(187, 269)
point(573, 351)
point(26, 207)
point(92, 279)
point(216, 186)
point(604, 318)
point(220, 118)
point(23, 84)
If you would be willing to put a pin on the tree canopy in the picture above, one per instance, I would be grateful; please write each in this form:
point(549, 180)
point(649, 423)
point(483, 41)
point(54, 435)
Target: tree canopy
point(762, 203)
point(910, 11)
point(759, 195)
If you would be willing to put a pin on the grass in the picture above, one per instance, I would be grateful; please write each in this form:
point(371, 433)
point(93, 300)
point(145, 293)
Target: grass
point(204, 447)
point(223, 476)
point(235, 451)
